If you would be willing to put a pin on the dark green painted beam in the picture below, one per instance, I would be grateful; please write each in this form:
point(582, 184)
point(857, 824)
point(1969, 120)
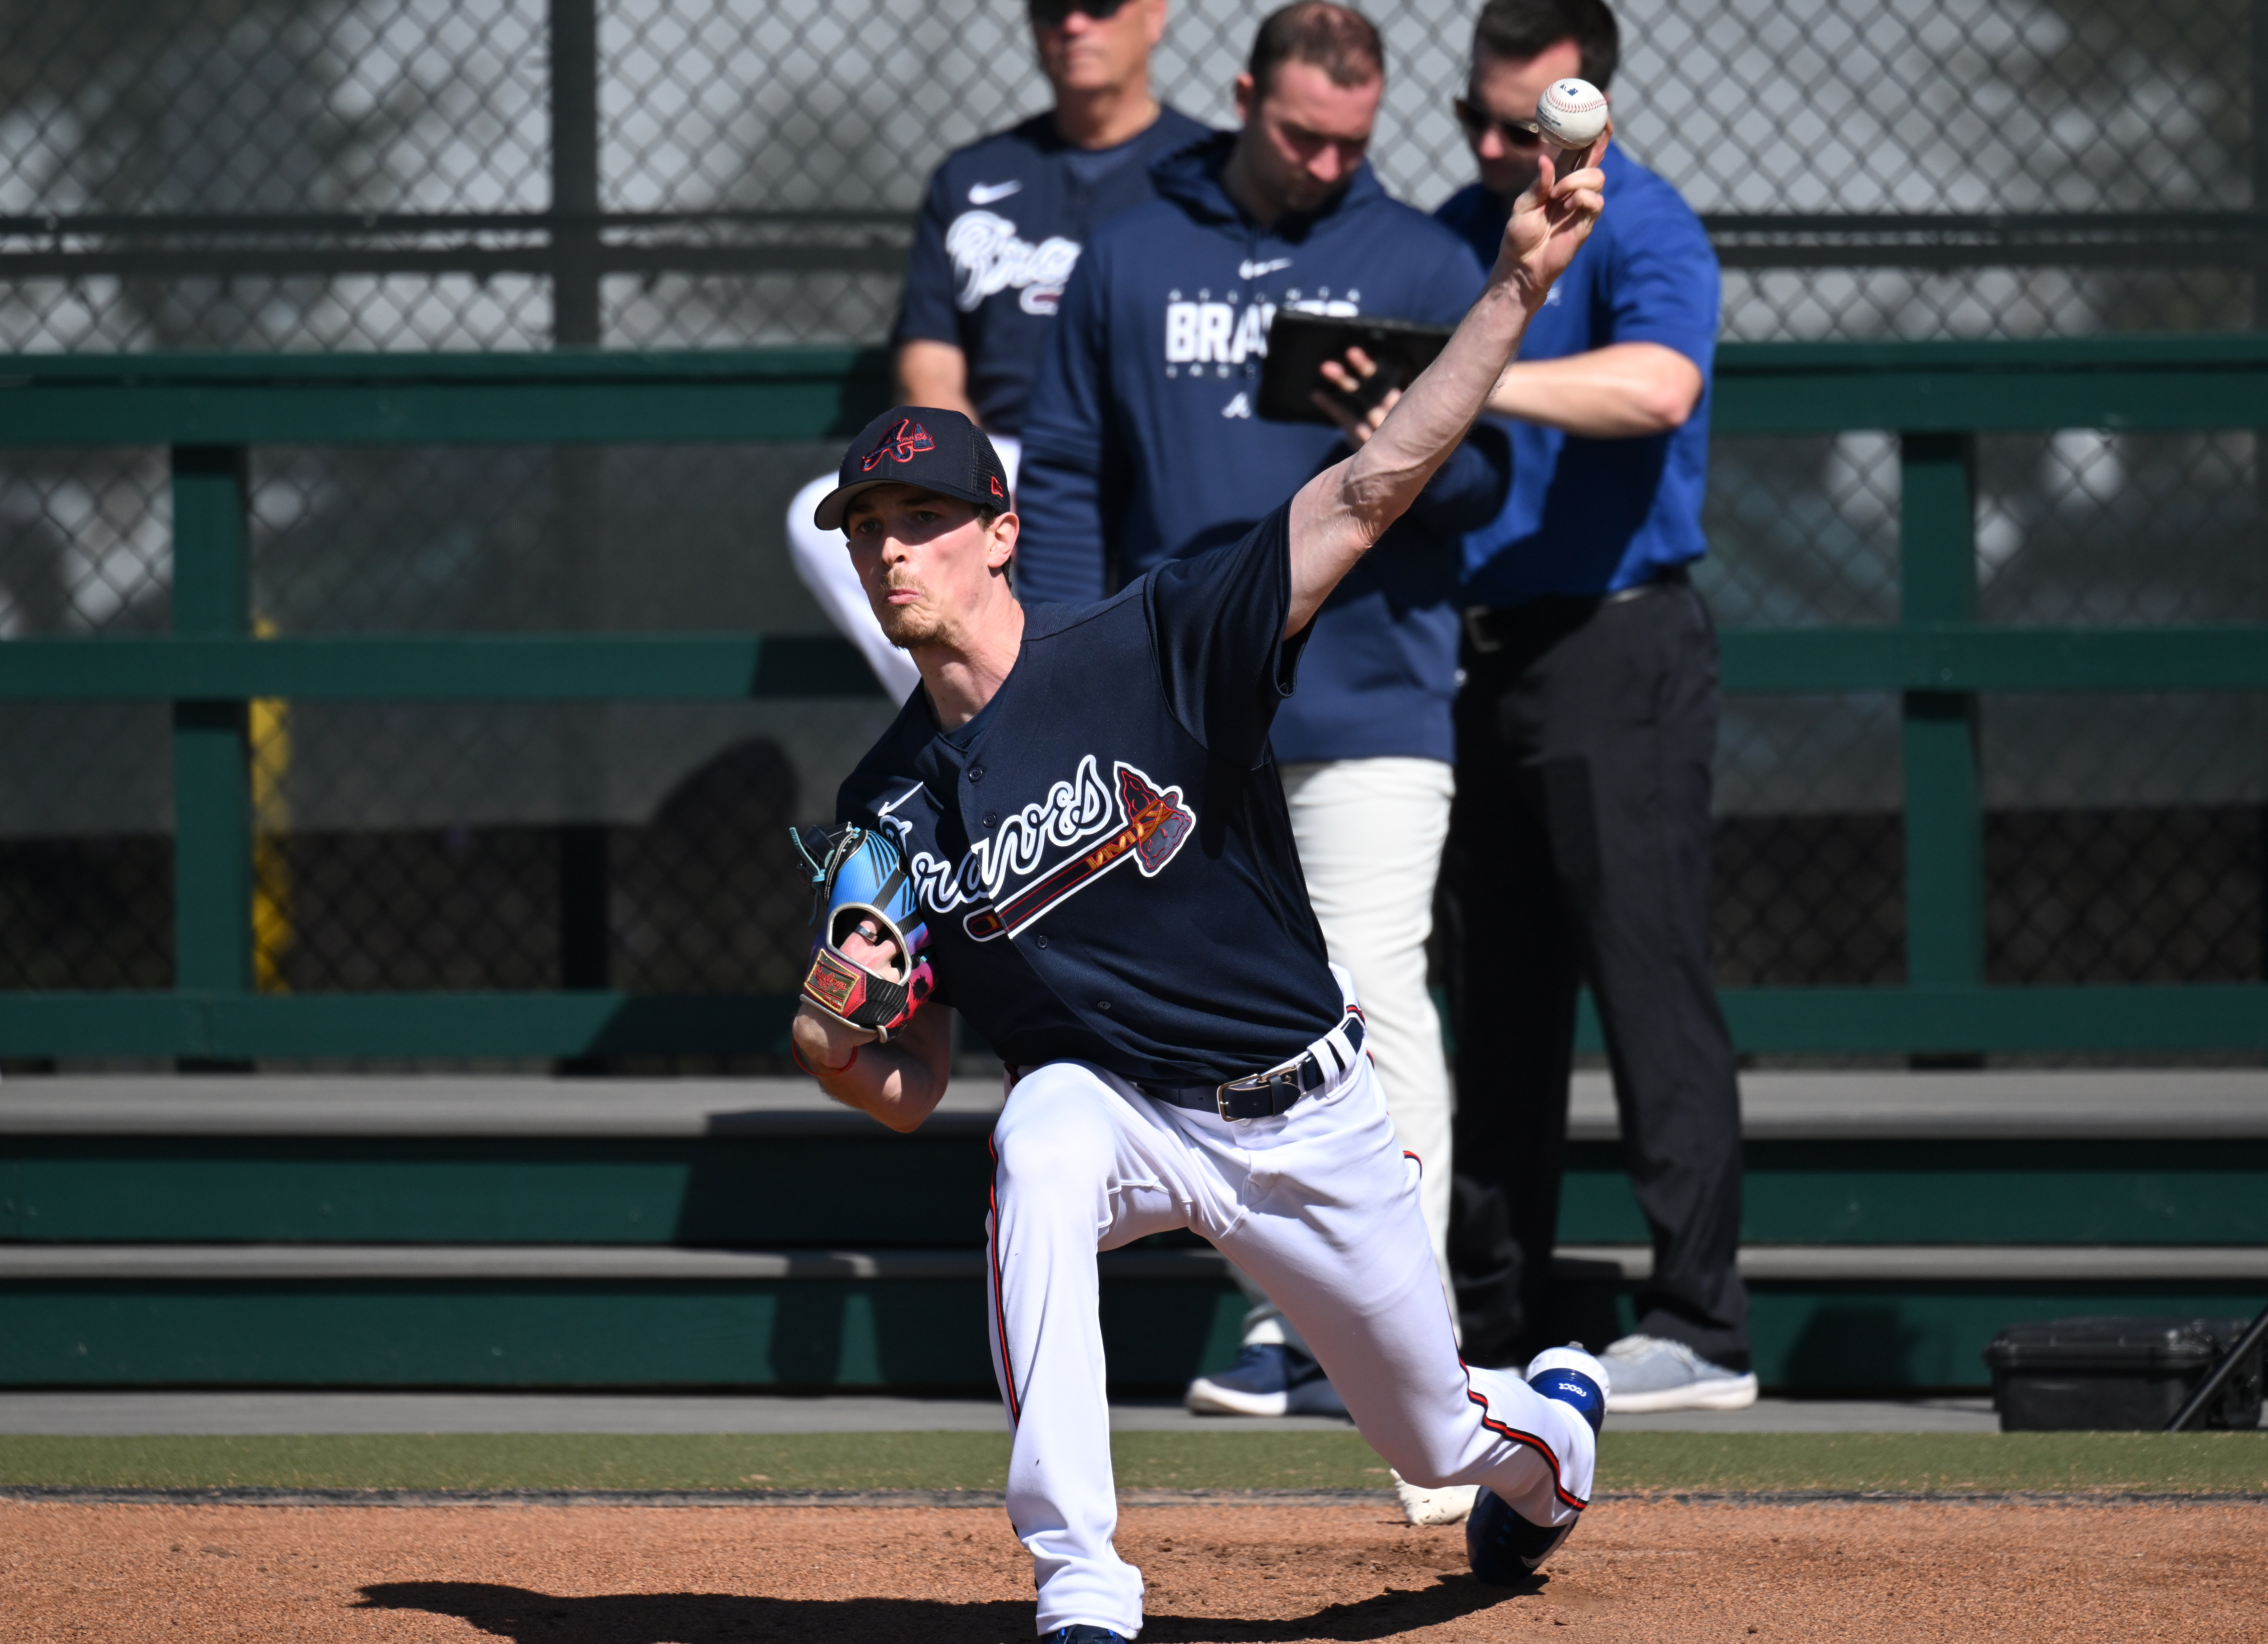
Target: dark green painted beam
point(1969, 1192)
point(725, 667)
point(564, 396)
point(2192, 381)
point(2155, 382)
point(1799, 1020)
point(927, 1190)
point(924, 1191)
point(795, 1333)
point(1962, 657)
point(224, 1027)
point(446, 668)
point(213, 796)
point(917, 1335)
point(1944, 810)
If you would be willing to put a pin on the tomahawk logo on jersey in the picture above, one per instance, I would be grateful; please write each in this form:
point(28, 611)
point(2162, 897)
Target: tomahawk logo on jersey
point(1146, 827)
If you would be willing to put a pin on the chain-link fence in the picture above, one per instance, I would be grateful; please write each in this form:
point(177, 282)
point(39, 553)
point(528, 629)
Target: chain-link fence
point(415, 174)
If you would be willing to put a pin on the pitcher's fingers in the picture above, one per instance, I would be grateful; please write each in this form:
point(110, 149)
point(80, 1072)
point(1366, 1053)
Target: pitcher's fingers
point(1357, 430)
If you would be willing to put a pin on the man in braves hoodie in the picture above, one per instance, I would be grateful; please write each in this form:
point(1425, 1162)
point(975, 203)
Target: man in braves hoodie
point(1001, 227)
point(1141, 445)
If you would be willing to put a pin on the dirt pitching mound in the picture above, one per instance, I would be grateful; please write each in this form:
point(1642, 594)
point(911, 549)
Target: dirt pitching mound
point(1636, 1572)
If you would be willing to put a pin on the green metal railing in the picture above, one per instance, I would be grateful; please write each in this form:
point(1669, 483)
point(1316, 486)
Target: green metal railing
point(1937, 397)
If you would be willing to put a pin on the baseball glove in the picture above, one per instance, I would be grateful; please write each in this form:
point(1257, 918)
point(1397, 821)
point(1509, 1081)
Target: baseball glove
point(858, 878)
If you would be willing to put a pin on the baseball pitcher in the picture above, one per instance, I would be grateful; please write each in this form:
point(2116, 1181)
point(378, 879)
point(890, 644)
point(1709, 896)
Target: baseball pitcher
point(1074, 832)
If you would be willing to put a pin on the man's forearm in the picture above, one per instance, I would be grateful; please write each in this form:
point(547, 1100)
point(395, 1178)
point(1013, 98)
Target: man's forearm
point(935, 373)
point(1337, 515)
point(1623, 391)
point(898, 1083)
point(1385, 476)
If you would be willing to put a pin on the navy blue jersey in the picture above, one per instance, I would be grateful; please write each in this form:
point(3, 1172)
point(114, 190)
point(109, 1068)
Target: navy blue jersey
point(1001, 230)
point(1104, 853)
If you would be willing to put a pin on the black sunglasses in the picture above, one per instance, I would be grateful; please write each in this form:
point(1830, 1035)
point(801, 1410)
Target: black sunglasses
point(1051, 13)
point(1514, 134)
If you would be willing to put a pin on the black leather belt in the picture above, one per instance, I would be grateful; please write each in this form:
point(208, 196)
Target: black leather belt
point(1492, 628)
point(1264, 1095)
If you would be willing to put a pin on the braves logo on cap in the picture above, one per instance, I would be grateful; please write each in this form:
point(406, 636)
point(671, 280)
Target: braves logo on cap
point(993, 482)
point(899, 446)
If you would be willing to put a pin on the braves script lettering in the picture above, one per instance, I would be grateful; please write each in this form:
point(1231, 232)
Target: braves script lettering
point(989, 257)
point(1143, 824)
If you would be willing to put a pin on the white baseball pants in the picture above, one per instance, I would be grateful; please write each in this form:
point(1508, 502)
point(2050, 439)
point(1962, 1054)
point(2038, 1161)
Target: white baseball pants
point(1321, 1206)
point(1370, 833)
point(824, 563)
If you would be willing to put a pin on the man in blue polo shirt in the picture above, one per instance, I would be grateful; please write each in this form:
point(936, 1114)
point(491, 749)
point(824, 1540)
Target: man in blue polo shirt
point(1580, 847)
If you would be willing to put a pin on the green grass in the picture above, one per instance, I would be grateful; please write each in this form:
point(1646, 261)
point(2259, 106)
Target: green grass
point(1216, 1460)
point(1934, 1461)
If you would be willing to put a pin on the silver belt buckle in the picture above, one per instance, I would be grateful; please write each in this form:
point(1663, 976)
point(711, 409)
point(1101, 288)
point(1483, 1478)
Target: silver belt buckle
point(1256, 1082)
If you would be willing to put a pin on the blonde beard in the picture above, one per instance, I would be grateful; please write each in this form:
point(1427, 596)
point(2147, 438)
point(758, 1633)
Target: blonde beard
point(907, 626)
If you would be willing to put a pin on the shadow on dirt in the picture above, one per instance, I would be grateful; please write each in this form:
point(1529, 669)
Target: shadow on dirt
point(532, 1617)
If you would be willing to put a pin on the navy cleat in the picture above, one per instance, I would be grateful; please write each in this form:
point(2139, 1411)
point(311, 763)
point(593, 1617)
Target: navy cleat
point(1505, 1548)
point(1573, 1378)
point(1268, 1379)
point(1081, 1632)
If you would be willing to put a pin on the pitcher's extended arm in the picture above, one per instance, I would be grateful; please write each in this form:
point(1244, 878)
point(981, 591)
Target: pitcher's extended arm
point(1343, 511)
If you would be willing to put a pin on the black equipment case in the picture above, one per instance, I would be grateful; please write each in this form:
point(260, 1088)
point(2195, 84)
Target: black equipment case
point(2116, 1375)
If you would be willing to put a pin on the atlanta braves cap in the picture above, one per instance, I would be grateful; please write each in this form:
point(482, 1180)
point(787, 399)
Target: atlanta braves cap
point(919, 445)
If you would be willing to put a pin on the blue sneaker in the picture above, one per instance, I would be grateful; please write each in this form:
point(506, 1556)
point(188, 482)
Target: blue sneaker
point(1082, 1633)
point(1268, 1379)
point(1504, 1548)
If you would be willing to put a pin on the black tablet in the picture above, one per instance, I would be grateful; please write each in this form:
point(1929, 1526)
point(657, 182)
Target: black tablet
point(1299, 343)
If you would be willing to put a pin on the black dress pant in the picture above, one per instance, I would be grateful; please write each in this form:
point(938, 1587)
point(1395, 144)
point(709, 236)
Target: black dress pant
point(1579, 851)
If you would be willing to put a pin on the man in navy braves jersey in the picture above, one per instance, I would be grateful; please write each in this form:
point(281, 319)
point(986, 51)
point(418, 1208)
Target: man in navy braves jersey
point(1143, 446)
point(1074, 833)
point(1001, 227)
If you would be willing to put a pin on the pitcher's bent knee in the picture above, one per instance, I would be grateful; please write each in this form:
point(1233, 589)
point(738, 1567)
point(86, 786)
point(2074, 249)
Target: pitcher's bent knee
point(1048, 1136)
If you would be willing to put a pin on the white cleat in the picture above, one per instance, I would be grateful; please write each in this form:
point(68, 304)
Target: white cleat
point(1421, 1505)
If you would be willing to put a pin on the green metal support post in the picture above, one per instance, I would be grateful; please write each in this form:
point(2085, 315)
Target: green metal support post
point(212, 789)
point(1944, 811)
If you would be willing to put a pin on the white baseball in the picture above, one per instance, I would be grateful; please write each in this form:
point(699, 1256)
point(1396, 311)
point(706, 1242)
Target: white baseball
point(1573, 113)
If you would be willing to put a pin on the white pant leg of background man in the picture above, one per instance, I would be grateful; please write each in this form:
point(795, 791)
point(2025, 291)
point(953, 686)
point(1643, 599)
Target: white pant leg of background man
point(823, 563)
point(1370, 833)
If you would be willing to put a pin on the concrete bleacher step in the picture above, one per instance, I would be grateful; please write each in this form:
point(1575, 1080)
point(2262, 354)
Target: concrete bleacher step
point(1766, 1264)
point(503, 1232)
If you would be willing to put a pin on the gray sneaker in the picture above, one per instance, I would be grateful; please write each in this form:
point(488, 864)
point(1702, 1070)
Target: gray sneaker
point(1649, 1373)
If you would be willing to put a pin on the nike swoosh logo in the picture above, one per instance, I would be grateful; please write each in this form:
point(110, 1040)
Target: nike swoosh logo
point(985, 193)
point(1248, 271)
